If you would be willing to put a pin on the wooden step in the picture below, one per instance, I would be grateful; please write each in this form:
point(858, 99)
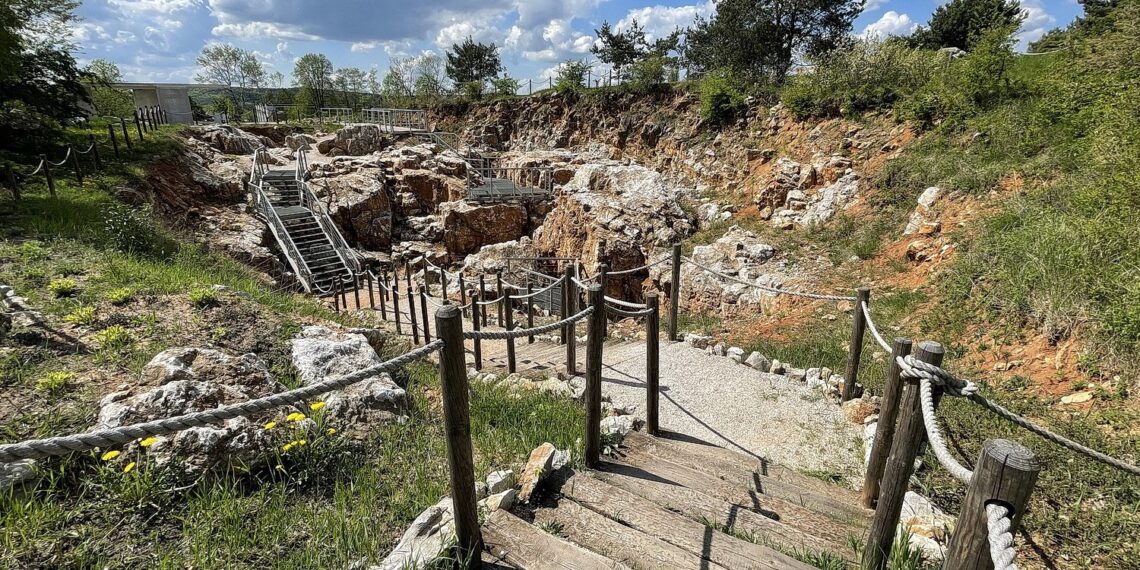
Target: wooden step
point(510, 539)
point(739, 469)
point(711, 510)
point(704, 545)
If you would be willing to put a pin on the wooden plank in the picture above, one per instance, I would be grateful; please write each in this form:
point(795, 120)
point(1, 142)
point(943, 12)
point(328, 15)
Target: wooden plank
point(519, 544)
point(628, 545)
point(694, 537)
point(706, 509)
point(739, 471)
point(806, 520)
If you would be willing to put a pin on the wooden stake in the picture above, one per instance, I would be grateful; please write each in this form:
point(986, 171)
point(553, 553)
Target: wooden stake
point(424, 314)
point(855, 350)
point(596, 336)
point(885, 429)
point(652, 363)
point(475, 297)
point(571, 307)
point(509, 313)
point(675, 292)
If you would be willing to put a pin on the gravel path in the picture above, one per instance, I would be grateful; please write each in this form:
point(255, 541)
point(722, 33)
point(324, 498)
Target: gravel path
point(737, 407)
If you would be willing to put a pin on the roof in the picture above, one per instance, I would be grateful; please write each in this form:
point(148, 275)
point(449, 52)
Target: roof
point(171, 85)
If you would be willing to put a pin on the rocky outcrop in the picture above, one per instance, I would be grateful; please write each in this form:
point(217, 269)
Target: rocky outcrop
point(320, 353)
point(468, 227)
point(354, 140)
point(229, 140)
point(359, 204)
point(188, 379)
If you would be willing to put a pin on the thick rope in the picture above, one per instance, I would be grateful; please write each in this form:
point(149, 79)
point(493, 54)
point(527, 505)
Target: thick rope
point(89, 147)
point(628, 314)
point(64, 161)
point(519, 333)
point(621, 303)
point(580, 284)
point(934, 435)
point(40, 448)
point(636, 269)
point(37, 170)
point(540, 291)
point(773, 290)
point(488, 303)
point(999, 522)
point(874, 329)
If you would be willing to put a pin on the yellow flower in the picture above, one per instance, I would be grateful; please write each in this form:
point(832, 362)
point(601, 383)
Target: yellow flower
point(280, 467)
point(130, 467)
point(301, 442)
point(110, 455)
point(316, 406)
point(285, 448)
point(295, 417)
point(148, 441)
point(270, 425)
point(330, 431)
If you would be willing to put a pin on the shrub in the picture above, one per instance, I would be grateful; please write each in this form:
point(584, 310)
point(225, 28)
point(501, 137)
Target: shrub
point(202, 297)
point(113, 337)
point(648, 74)
point(82, 316)
point(132, 230)
point(120, 296)
point(53, 381)
point(63, 287)
point(571, 76)
point(505, 86)
point(720, 98)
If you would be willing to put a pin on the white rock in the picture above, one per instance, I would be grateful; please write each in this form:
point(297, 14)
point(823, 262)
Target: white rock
point(759, 362)
point(718, 349)
point(618, 426)
point(930, 528)
point(320, 353)
point(735, 353)
point(504, 500)
point(697, 341)
point(499, 481)
point(427, 537)
point(16, 472)
point(929, 197)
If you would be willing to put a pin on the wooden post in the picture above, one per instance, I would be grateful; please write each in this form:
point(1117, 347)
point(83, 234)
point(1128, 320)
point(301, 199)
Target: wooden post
point(529, 311)
point(475, 297)
point(530, 87)
point(509, 313)
point(482, 309)
point(356, 289)
point(603, 276)
point(408, 275)
point(885, 430)
point(48, 176)
point(114, 140)
point(675, 292)
point(596, 336)
point(336, 295)
point(95, 152)
point(126, 135)
point(1006, 474)
point(412, 315)
point(462, 292)
point(383, 295)
point(499, 291)
point(138, 126)
point(343, 293)
point(371, 292)
point(443, 283)
point(652, 363)
point(570, 306)
point(457, 425)
point(75, 164)
point(424, 314)
point(900, 466)
point(858, 327)
point(396, 301)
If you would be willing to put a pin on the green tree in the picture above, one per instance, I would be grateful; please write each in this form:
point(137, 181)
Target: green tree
point(236, 68)
point(505, 85)
point(759, 39)
point(624, 49)
point(571, 75)
point(428, 82)
point(394, 88)
point(106, 99)
point(472, 63)
point(962, 23)
point(352, 82)
point(313, 71)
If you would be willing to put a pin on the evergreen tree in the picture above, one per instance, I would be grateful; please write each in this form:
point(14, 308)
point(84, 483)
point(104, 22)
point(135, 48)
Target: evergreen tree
point(472, 64)
point(963, 23)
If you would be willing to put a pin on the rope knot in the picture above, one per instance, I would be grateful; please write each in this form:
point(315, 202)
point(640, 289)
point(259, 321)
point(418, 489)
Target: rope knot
point(952, 385)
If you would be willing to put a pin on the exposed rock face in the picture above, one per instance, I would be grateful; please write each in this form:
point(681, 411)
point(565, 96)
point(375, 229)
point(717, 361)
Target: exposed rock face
point(738, 253)
point(296, 141)
point(182, 380)
point(229, 140)
point(924, 219)
point(360, 206)
point(320, 353)
point(355, 140)
point(469, 227)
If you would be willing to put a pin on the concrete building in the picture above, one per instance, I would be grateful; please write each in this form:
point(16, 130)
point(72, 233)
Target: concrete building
point(174, 98)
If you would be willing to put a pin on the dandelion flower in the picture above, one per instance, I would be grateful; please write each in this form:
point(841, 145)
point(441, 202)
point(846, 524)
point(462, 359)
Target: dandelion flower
point(330, 431)
point(316, 406)
point(110, 455)
point(280, 467)
point(295, 417)
point(148, 441)
point(285, 448)
point(130, 467)
point(301, 442)
point(270, 425)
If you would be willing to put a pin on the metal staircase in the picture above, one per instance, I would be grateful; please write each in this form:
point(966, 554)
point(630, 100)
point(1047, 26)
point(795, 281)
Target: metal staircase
point(303, 228)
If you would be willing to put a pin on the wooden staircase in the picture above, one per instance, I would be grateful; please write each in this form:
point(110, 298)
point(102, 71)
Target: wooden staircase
point(673, 503)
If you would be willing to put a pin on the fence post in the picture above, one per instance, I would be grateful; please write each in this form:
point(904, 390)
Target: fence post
point(570, 304)
point(114, 141)
point(126, 135)
point(356, 289)
point(75, 164)
point(396, 301)
point(343, 293)
point(383, 293)
point(443, 284)
point(48, 176)
point(475, 298)
point(138, 126)
point(509, 312)
point(10, 177)
point(652, 363)
point(675, 292)
point(412, 315)
point(481, 310)
point(530, 87)
point(603, 276)
point(462, 292)
point(371, 293)
point(900, 465)
point(530, 311)
point(336, 295)
point(457, 425)
point(596, 336)
point(855, 351)
point(1006, 474)
point(565, 292)
point(885, 430)
point(499, 292)
point(424, 314)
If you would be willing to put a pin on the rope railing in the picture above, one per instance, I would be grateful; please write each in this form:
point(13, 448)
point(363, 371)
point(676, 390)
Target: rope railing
point(773, 290)
point(519, 333)
point(627, 304)
point(999, 524)
point(636, 269)
point(538, 292)
point(40, 448)
point(628, 314)
point(62, 162)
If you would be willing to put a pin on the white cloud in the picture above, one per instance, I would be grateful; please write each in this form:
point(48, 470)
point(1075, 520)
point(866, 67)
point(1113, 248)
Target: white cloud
point(480, 30)
point(1037, 22)
point(260, 30)
point(890, 24)
point(873, 5)
point(133, 7)
point(660, 21)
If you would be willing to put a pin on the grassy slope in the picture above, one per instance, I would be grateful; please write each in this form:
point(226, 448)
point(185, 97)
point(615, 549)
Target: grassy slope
point(330, 503)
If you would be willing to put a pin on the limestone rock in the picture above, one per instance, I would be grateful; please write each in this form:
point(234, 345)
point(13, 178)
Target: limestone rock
point(499, 481)
point(930, 528)
point(468, 227)
point(355, 140)
point(228, 139)
point(359, 204)
point(759, 362)
point(1077, 398)
point(858, 409)
point(504, 500)
point(429, 535)
point(697, 341)
point(297, 140)
point(538, 466)
point(320, 353)
point(617, 427)
point(735, 353)
point(16, 473)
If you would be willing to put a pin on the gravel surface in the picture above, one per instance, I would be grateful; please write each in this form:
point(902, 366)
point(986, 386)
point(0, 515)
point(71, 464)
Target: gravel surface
point(737, 407)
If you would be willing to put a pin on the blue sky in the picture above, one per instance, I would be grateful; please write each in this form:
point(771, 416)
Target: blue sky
point(158, 40)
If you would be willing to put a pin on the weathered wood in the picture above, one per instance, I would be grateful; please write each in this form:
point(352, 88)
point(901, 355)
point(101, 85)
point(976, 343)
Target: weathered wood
point(509, 314)
point(47, 175)
point(463, 293)
point(855, 350)
point(885, 430)
point(604, 276)
point(95, 152)
point(457, 426)
point(832, 500)
point(701, 507)
point(482, 309)
point(563, 313)
point(396, 301)
point(356, 290)
point(75, 165)
point(1006, 474)
point(515, 542)
point(126, 135)
point(478, 349)
point(138, 126)
point(10, 177)
point(652, 364)
point(900, 465)
point(371, 290)
point(617, 541)
point(424, 315)
point(830, 530)
point(643, 514)
point(529, 310)
point(499, 292)
point(412, 315)
point(675, 291)
point(114, 139)
point(570, 307)
point(336, 295)
point(596, 336)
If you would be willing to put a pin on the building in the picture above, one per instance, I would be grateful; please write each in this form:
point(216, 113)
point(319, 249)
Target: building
point(174, 98)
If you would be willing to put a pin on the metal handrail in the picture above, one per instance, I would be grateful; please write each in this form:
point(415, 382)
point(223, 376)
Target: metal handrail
point(324, 219)
point(277, 227)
